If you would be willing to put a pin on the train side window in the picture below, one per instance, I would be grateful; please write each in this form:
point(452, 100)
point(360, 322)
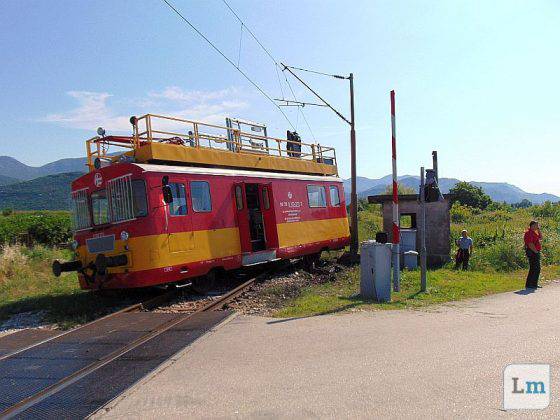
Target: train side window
point(239, 197)
point(335, 196)
point(265, 198)
point(200, 195)
point(139, 198)
point(178, 207)
point(316, 196)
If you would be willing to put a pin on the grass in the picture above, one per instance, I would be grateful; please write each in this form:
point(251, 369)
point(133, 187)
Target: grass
point(27, 284)
point(444, 285)
point(498, 264)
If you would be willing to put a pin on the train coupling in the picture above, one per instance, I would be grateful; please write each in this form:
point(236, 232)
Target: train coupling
point(102, 262)
point(61, 267)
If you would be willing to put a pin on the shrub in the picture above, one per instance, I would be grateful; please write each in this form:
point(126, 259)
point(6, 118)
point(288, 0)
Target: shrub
point(7, 212)
point(498, 216)
point(547, 209)
point(496, 205)
point(470, 195)
point(12, 260)
point(45, 227)
point(460, 213)
point(506, 255)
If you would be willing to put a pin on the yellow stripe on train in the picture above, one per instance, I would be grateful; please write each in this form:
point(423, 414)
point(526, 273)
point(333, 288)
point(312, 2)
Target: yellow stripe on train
point(299, 233)
point(165, 250)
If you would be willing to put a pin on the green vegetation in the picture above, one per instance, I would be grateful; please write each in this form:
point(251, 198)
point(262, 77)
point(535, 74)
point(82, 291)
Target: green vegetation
point(498, 235)
point(44, 227)
point(497, 265)
point(27, 284)
point(401, 189)
point(444, 285)
point(470, 195)
point(370, 220)
point(46, 193)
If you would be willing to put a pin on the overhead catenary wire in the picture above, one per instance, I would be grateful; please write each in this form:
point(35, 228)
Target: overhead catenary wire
point(240, 39)
point(303, 115)
point(250, 32)
point(276, 64)
point(336, 76)
point(316, 94)
point(194, 28)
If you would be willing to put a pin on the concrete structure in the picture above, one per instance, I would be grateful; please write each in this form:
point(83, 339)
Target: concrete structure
point(438, 219)
point(443, 362)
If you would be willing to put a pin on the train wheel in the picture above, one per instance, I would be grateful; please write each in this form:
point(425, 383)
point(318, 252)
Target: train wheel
point(204, 284)
point(310, 261)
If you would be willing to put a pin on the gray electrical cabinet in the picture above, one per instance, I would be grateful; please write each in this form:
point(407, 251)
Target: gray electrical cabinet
point(375, 271)
point(408, 240)
point(411, 260)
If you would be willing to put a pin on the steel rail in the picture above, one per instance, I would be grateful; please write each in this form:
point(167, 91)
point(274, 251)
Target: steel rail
point(148, 304)
point(30, 401)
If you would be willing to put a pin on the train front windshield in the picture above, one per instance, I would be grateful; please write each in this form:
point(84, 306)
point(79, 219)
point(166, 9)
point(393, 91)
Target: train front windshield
point(122, 200)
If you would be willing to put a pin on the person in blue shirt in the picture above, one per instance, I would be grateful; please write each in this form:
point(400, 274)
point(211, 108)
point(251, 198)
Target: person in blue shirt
point(465, 244)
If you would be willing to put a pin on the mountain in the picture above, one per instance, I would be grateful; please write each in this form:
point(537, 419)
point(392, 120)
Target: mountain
point(50, 192)
point(47, 187)
point(13, 168)
point(364, 184)
point(498, 191)
point(7, 180)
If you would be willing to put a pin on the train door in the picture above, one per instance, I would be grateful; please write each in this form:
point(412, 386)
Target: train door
point(256, 219)
point(178, 219)
point(269, 216)
point(256, 222)
point(242, 215)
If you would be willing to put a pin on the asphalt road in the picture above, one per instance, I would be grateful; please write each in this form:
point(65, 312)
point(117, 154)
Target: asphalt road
point(443, 362)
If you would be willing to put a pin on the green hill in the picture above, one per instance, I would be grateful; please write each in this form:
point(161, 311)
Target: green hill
point(7, 180)
point(46, 193)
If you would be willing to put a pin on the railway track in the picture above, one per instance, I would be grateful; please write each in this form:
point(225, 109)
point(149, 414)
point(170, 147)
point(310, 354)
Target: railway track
point(64, 375)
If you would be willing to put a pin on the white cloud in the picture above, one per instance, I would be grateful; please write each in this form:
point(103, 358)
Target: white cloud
point(96, 109)
point(176, 93)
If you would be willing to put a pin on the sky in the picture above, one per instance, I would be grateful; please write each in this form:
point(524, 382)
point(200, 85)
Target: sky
point(478, 81)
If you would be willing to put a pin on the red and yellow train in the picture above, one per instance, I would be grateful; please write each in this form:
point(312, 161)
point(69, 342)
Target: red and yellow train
point(172, 208)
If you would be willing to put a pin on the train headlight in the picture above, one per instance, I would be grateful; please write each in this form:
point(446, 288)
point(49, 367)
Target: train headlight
point(74, 245)
point(124, 235)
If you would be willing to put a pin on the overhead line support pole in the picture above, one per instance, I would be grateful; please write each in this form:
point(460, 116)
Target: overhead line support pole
point(354, 194)
point(354, 245)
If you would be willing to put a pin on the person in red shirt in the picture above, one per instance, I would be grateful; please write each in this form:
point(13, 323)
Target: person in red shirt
point(533, 248)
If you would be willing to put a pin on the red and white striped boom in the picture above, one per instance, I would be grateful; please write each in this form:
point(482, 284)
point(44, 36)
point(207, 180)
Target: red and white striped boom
point(396, 227)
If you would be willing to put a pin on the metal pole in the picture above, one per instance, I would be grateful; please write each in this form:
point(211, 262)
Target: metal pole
point(423, 274)
point(396, 221)
point(353, 193)
point(435, 165)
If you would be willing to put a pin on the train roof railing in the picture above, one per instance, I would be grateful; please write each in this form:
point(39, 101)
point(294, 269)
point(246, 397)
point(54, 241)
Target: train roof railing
point(151, 130)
